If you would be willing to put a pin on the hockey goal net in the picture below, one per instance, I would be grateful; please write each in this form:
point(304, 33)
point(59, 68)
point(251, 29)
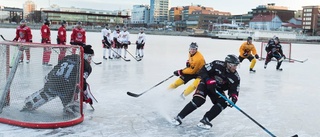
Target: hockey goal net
point(24, 82)
point(286, 48)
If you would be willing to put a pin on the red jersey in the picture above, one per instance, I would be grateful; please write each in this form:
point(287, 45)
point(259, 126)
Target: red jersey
point(78, 35)
point(23, 34)
point(62, 35)
point(45, 32)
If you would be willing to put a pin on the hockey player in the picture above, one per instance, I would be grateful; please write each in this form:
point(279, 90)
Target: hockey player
point(247, 51)
point(217, 76)
point(193, 65)
point(61, 81)
point(125, 36)
point(78, 36)
point(61, 39)
point(274, 49)
point(117, 41)
point(106, 41)
point(23, 34)
point(45, 38)
point(140, 43)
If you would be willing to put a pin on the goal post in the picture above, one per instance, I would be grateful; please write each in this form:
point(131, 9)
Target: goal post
point(286, 48)
point(20, 80)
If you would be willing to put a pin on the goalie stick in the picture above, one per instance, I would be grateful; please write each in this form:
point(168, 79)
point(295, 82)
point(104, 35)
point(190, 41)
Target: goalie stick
point(234, 105)
point(137, 95)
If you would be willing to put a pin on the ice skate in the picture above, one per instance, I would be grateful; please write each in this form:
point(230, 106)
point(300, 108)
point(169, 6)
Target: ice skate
point(265, 66)
point(104, 57)
point(204, 123)
point(27, 61)
point(176, 121)
point(110, 57)
point(279, 69)
point(252, 71)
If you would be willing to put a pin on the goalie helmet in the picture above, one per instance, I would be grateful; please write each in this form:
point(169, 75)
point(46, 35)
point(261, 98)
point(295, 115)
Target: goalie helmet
point(249, 38)
point(88, 52)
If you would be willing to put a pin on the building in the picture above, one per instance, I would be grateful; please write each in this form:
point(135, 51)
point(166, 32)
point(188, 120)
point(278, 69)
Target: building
point(28, 7)
point(311, 19)
point(206, 17)
point(265, 22)
point(271, 9)
point(10, 15)
point(159, 11)
point(140, 14)
point(89, 17)
point(175, 14)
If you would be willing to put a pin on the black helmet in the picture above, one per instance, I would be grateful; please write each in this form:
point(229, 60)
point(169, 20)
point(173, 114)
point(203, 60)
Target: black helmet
point(47, 22)
point(23, 22)
point(63, 22)
point(233, 59)
point(276, 38)
point(117, 27)
point(106, 25)
point(193, 45)
point(79, 23)
point(249, 38)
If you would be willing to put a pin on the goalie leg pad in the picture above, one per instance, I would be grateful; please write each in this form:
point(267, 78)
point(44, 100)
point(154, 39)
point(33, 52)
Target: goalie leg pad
point(37, 99)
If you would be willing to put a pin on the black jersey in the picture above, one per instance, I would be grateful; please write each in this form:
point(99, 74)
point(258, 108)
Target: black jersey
point(273, 47)
point(65, 75)
point(225, 79)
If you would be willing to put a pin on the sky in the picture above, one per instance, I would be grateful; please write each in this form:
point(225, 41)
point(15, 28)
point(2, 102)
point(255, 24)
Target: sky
point(233, 6)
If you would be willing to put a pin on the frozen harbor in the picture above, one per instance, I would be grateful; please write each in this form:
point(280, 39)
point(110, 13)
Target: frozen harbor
point(283, 102)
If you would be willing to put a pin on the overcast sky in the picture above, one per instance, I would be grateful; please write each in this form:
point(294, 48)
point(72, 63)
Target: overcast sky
point(233, 6)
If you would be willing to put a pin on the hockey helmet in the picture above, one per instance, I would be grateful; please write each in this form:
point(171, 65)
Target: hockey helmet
point(106, 25)
point(231, 62)
point(63, 22)
point(233, 59)
point(193, 45)
point(88, 52)
point(23, 22)
point(117, 28)
point(47, 22)
point(249, 38)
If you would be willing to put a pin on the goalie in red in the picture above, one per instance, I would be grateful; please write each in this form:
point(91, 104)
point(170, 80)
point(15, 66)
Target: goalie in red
point(61, 81)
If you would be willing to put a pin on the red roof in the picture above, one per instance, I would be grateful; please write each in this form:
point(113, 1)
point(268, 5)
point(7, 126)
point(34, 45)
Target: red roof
point(262, 18)
point(291, 25)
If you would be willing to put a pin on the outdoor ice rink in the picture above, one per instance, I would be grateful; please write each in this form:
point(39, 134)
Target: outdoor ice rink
point(285, 103)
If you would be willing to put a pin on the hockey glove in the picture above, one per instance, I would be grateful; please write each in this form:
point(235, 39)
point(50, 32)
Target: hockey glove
point(284, 56)
point(137, 43)
point(257, 56)
point(233, 98)
point(178, 72)
point(187, 64)
point(211, 84)
point(30, 40)
point(15, 39)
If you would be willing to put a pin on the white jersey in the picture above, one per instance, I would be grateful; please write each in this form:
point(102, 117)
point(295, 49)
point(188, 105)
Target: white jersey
point(125, 37)
point(141, 38)
point(106, 33)
point(116, 35)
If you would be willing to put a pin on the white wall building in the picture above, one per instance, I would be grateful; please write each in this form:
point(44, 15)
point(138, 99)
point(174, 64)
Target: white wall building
point(159, 11)
point(28, 7)
point(140, 14)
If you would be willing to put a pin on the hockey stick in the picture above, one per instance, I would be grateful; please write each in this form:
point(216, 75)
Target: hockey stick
point(120, 55)
point(137, 95)
point(300, 61)
point(133, 56)
point(234, 105)
point(96, 63)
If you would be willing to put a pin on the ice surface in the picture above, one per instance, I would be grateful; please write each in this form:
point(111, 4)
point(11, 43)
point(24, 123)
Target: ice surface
point(285, 103)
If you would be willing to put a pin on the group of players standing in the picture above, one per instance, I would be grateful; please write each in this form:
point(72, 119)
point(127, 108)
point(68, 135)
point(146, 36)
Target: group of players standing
point(218, 76)
point(23, 34)
point(118, 40)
